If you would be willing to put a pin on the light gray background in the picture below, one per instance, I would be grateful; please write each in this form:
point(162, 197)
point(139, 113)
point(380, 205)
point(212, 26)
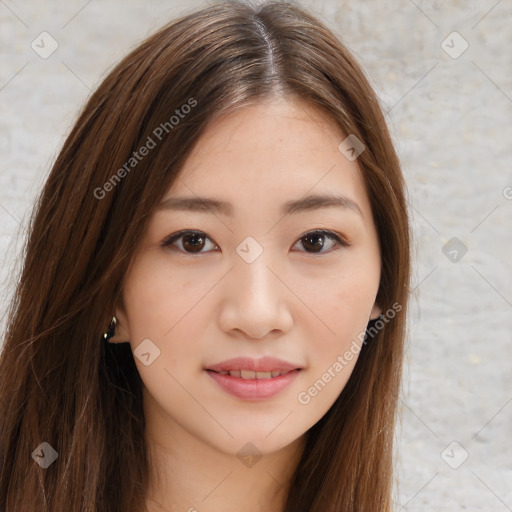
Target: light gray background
point(451, 120)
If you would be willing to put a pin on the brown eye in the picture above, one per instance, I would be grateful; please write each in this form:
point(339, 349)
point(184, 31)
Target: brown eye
point(192, 242)
point(316, 241)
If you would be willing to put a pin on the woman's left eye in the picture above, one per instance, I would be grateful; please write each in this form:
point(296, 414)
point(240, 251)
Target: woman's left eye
point(316, 239)
point(193, 242)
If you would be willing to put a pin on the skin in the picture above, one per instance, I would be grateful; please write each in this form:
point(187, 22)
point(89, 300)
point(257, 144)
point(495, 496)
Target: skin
point(293, 303)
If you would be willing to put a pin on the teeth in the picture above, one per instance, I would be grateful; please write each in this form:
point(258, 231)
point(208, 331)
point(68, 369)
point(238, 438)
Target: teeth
point(249, 374)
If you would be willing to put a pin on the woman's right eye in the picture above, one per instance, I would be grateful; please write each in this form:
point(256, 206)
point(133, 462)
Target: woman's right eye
point(189, 242)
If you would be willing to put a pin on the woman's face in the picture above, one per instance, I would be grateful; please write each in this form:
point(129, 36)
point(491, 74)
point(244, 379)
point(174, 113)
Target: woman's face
point(252, 281)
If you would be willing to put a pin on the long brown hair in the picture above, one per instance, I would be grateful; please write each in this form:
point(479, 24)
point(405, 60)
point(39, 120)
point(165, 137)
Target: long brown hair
point(61, 384)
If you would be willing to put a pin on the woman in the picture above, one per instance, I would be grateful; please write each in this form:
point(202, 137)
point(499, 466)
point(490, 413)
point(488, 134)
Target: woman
point(211, 312)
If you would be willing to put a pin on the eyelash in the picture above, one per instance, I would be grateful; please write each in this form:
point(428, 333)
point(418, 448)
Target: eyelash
point(168, 242)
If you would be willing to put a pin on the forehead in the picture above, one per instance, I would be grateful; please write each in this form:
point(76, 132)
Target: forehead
point(287, 126)
point(275, 150)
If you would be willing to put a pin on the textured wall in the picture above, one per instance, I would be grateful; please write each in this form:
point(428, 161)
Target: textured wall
point(449, 108)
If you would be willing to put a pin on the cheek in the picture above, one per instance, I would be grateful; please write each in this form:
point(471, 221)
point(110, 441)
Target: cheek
point(336, 331)
point(342, 307)
point(157, 296)
point(343, 303)
point(167, 307)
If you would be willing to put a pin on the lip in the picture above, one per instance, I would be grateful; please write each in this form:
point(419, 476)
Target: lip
point(253, 389)
point(265, 364)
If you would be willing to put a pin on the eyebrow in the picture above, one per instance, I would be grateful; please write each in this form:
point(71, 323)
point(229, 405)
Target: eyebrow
point(308, 203)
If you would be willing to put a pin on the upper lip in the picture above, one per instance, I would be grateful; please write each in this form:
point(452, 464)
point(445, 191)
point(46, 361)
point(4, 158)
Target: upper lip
point(265, 364)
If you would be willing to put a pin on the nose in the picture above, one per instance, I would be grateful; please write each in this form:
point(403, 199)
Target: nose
point(255, 301)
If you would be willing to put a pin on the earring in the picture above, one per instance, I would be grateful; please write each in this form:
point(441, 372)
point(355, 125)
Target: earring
point(111, 329)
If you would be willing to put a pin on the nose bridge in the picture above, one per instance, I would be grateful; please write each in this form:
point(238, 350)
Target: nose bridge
point(252, 276)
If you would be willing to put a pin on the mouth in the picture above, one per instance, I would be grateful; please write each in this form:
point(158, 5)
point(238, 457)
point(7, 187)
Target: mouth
point(248, 368)
point(250, 374)
point(251, 379)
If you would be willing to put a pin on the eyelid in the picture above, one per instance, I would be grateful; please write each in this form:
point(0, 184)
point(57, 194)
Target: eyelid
point(341, 239)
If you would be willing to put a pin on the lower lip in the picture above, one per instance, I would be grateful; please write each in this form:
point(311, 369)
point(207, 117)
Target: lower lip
point(253, 389)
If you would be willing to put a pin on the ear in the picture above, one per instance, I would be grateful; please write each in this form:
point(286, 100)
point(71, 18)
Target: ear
point(122, 331)
point(376, 312)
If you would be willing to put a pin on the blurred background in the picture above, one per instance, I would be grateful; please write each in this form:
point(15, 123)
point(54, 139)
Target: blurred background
point(443, 73)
